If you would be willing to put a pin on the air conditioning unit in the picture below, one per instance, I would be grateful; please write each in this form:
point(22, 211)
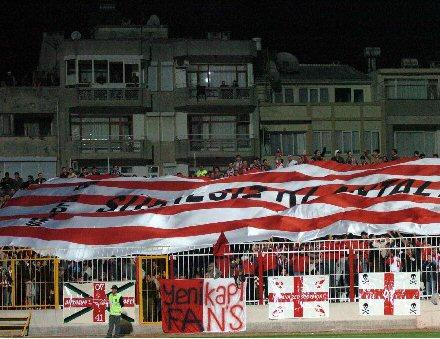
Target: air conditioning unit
point(410, 63)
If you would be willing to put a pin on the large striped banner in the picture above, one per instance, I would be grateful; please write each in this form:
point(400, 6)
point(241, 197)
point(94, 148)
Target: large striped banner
point(104, 215)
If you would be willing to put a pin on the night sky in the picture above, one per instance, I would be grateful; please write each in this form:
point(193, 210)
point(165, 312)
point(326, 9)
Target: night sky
point(315, 31)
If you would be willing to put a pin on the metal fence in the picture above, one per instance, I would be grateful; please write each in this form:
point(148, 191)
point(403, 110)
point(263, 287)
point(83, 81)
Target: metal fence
point(31, 281)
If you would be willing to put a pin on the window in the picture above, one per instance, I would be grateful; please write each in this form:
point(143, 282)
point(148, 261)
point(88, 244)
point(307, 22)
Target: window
point(32, 126)
point(85, 71)
point(342, 94)
point(152, 77)
point(313, 95)
point(371, 140)
point(116, 72)
point(219, 132)
point(346, 141)
point(288, 95)
point(131, 74)
point(216, 75)
point(407, 142)
point(70, 72)
point(303, 95)
point(166, 77)
point(406, 89)
point(293, 143)
point(358, 95)
point(278, 97)
point(5, 125)
point(433, 89)
point(322, 139)
point(101, 71)
point(323, 95)
point(100, 128)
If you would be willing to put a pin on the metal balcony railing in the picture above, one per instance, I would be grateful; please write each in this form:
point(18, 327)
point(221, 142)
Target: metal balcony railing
point(224, 93)
point(222, 143)
point(113, 144)
point(106, 94)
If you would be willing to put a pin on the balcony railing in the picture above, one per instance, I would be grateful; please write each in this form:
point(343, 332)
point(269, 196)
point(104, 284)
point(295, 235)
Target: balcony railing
point(108, 94)
point(122, 144)
point(220, 143)
point(223, 93)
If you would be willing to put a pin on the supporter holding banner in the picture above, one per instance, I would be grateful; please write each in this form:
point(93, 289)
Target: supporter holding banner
point(203, 305)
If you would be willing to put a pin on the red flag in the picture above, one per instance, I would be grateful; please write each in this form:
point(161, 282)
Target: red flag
point(221, 246)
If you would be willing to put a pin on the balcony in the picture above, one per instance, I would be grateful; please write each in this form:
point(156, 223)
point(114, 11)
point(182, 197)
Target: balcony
point(113, 147)
point(212, 96)
point(215, 146)
point(113, 97)
point(27, 146)
point(28, 100)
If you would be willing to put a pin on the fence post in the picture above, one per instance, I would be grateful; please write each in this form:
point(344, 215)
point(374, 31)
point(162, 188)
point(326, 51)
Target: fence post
point(171, 270)
point(14, 282)
point(136, 284)
point(351, 262)
point(56, 281)
point(260, 279)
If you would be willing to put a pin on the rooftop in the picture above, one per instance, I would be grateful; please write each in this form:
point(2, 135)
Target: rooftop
point(320, 72)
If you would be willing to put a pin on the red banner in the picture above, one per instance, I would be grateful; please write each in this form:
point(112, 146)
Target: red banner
point(182, 305)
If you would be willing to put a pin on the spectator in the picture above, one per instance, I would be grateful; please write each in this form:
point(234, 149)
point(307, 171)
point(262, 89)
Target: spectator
point(71, 173)
point(416, 154)
point(216, 174)
point(303, 159)
point(64, 173)
point(394, 155)
point(18, 181)
point(376, 158)
point(351, 160)
point(40, 179)
point(230, 170)
point(84, 172)
point(384, 158)
point(238, 162)
point(256, 164)
point(422, 155)
point(115, 170)
point(30, 181)
point(7, 183)
point(266, 165)
point(279, 163)
point(363, 160)
point(95, 171)
point(338, 158)
point(291, 162)
point(435, 155)
point(202, 172)
point(317, 156)
point(429, 275)
point(393, 263)
point(10, 79)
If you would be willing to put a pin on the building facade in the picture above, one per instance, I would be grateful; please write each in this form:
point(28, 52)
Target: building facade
point(306, 107)
point(410, 98)
point(134, 98)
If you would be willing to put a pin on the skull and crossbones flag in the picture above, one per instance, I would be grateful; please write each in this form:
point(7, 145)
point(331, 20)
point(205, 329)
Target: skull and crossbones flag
point(85, 303)
point(389, 293)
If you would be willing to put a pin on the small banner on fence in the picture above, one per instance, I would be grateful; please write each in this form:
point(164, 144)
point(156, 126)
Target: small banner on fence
point(389, 293)
point(85, 303)
point(298, 297)
point(203, 305)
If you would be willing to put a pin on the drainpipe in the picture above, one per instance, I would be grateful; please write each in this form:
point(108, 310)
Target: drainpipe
point(58, 137)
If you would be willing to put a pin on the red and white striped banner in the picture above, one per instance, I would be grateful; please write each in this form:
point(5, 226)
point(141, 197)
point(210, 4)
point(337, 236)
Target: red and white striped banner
point(104, 215)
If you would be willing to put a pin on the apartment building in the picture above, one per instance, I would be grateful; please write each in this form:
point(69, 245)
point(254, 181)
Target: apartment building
point(410, 96)
point(131, 96)
point(306, 107)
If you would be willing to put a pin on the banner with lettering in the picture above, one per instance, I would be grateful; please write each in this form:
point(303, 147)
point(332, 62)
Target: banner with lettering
point(87, 303)
point(203, 305)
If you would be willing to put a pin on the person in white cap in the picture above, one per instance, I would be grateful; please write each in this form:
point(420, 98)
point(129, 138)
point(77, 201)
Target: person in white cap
point(338, 157)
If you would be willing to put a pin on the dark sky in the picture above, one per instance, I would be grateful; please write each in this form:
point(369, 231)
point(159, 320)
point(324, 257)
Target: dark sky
point(320, 31)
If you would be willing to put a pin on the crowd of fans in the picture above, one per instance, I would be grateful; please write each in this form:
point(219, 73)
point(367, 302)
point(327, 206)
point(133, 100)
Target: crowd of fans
point(240, 166)
point(391, 252)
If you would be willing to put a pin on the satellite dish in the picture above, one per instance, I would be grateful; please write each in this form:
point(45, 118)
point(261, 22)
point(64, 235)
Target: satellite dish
point(75, 35)
point(287, 62)
point(153, 21)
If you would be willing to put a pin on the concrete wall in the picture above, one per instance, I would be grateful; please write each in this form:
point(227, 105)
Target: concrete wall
point(344, 317)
